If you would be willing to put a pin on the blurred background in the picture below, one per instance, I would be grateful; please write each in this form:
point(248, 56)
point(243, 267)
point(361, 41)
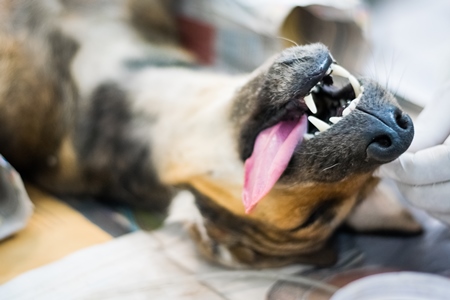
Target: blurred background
point(403, 44)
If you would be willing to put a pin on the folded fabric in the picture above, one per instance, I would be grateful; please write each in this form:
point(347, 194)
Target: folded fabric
point(15, 205)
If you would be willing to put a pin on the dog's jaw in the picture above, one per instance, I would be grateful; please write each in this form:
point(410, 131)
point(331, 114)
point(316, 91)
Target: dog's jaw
point(304, 207)
point(183, 209)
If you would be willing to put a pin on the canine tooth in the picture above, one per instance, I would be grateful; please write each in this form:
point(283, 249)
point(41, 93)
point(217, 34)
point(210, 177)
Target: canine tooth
point(357, 99)
point(308, 136)
point(355, 84)
point(340, 71)
point(334, 120)
point(309, 101)
point(350, 108)
point(321, 125)
point(345, 112)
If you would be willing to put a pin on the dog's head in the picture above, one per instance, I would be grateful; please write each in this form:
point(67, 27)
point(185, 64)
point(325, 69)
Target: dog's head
point(302, 182)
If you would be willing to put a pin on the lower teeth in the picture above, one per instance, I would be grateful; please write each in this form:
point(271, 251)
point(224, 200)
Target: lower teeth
point(321, 125)
point(334, 120)
point(309, 101)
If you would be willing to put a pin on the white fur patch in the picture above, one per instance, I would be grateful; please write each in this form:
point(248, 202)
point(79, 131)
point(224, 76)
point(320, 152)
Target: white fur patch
point(183, 210)
point(225, 257)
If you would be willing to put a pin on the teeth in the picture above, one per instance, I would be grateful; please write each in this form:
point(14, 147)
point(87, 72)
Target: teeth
point(308, 136)
point(353, 104)
point(355, 84)
point(334, 120)
point(340, 71)
point(310, 103)
point(321, 125)
point(349, 108)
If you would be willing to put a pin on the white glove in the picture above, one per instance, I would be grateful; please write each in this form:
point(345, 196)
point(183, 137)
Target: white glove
point(423, 173)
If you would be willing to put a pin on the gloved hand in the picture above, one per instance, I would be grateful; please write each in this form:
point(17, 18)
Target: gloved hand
point(423, 172)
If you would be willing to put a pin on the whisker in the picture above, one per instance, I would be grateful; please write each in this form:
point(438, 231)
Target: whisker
point(374, 70)
point(291, 41)
point(392, 67)
point(386, 83)
point(286, 39)
point(399, 82)
point(313, 153)
point(330, 167)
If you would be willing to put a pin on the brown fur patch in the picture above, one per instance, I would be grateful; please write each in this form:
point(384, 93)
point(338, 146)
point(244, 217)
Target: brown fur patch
point(131, 142)
point(23, 126)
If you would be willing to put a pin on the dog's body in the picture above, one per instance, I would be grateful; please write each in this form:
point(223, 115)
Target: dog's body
point(90, 106)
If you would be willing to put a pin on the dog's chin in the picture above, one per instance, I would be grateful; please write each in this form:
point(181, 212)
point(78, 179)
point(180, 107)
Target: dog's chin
point(240, 256)
point(241, 242)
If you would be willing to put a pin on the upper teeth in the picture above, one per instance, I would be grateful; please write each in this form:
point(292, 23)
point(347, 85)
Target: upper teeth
point(358, 89)
point(309, 101)
point(340, 71)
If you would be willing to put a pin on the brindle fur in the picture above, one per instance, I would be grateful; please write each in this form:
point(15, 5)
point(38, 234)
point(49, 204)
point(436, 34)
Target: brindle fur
point(75, 122)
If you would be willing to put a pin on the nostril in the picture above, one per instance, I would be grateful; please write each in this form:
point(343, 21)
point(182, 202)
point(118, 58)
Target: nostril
point(389, 135)
point(383, 141)
point(401, 119)
point(383, 147)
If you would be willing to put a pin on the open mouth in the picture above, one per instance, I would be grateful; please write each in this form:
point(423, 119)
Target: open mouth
point(333, 102)
point(323, 106)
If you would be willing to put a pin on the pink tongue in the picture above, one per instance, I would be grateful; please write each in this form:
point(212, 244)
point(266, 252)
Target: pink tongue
point(272, 152)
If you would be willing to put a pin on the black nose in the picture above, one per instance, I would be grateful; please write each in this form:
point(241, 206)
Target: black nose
point(390, 135)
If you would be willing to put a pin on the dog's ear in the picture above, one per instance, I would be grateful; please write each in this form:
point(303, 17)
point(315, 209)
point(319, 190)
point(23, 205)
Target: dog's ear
point(381, 211)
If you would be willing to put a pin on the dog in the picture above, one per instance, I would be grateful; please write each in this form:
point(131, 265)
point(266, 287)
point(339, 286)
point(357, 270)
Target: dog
point(97, 98)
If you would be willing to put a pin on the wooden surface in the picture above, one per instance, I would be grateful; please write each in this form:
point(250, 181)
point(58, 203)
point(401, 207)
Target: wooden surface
point(54, 231)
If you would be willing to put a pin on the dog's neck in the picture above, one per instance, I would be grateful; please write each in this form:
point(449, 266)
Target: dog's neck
point(188, 126)
point(184, 117)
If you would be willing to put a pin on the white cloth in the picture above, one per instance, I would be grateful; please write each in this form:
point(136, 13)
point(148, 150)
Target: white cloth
point(15, 205)
point(161, 264)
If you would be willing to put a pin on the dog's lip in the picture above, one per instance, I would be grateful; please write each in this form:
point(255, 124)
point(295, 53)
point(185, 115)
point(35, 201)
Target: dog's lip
point(274, 146)
point(315, 78)
point(296, 107)
point(334, 115)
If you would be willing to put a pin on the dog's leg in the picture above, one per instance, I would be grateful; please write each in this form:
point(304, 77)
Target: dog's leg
point(34, 100)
